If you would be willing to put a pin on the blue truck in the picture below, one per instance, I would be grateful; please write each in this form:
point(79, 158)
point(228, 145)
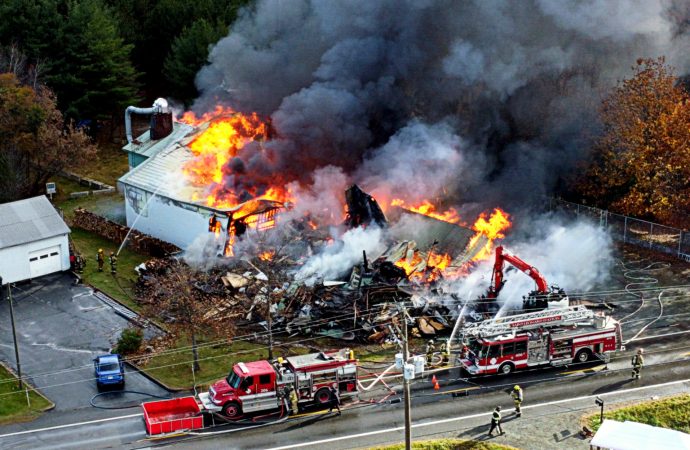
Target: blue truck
point(109, 371)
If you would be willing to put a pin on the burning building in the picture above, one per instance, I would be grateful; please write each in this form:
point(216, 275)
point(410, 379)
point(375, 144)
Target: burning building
point(166, 189)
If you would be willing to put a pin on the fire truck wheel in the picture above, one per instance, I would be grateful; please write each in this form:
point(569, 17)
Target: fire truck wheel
point(583, 355)
point(232, 410)
point(506, 369)
point(322, 397)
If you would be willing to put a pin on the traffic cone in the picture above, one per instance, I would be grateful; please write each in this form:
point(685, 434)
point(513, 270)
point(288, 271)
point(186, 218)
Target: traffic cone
point(436, 386)
point(433, 380)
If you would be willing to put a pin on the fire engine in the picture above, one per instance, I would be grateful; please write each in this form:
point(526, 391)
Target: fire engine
point(551, 337)
point(262, 385)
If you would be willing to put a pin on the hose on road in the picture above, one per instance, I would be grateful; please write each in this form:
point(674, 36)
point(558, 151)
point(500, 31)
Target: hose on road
point(147, 394)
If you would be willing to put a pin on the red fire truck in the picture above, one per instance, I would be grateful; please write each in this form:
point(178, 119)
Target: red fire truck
point(551, 337)
point(261, 385)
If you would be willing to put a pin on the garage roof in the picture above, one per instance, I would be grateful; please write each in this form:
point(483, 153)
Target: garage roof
point(29, 220)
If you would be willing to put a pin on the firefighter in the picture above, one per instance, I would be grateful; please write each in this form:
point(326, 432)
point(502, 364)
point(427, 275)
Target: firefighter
point(445, 351)
point(79, 263)
point(517, 399)
point(637, 363)
point(113, 263)
point(335, 400)
point(101, 259)
point(294, 405)
point(496, 422)
point(430, 349)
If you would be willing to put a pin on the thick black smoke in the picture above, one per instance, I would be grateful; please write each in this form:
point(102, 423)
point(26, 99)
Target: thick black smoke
point(481, 102)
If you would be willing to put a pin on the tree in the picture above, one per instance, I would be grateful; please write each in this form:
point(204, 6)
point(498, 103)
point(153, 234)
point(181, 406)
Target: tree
point(188, 54)
point(92, 74)
point(34, 26)
point(642, 159)
point(177, 298)
point(36, 143)
point(152, 26)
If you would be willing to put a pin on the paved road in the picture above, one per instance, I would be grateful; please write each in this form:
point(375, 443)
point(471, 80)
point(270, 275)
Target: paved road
point(61, 328)
point(435, 413)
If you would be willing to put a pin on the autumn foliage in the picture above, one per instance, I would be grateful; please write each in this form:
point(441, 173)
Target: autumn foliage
point(641, 164)
point(36, 143)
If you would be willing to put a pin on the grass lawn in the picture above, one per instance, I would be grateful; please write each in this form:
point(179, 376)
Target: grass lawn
point(119, 287)
point(13, 405)
point(174, 368)
point(447, 444)
point(670, 413)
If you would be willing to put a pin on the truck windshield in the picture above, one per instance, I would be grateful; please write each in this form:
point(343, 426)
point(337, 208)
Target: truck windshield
point(108, 367)
point(233, 380)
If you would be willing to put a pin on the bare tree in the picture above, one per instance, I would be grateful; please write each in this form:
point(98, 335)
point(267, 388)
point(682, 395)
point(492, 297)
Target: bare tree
point(177, 298)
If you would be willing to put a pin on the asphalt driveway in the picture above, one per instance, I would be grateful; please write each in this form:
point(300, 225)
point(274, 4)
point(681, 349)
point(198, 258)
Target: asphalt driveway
point(61, 328)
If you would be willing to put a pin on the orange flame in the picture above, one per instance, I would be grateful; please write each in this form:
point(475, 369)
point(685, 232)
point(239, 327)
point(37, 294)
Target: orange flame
point(429, 209)
point(424, 273)
point(493, 228)
point(267, 255)
point(226, 132)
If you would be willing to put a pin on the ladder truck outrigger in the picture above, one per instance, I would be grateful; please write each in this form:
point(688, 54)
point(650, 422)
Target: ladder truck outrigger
point(552, 337)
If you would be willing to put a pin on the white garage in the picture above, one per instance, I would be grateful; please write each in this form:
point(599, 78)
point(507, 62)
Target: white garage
point(33, 240)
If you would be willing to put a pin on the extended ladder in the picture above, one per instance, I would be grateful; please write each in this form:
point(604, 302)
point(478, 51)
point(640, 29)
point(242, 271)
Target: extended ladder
point(521, 322)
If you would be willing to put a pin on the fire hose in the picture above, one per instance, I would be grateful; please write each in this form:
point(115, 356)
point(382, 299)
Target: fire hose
point(124, 392)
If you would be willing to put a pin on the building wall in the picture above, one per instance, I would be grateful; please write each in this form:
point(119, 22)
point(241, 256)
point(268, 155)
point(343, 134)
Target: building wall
point(14, 261)
point(174, 222)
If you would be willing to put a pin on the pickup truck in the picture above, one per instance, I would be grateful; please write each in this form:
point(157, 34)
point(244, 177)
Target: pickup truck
point(109, 371)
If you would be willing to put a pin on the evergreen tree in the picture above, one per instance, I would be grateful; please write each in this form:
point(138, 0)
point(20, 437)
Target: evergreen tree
point(92, 74)
point(32, 25)
point(188, 54)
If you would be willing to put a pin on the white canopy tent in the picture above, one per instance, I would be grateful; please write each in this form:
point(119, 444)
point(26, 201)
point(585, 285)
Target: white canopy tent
point(613, 435)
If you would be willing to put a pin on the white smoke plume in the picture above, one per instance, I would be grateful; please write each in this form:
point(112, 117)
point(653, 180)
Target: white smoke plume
point(338, 258)
point(575, 256)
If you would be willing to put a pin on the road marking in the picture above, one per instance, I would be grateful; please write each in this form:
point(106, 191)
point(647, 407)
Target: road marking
point(69, 425)
point(370, 433)
point(457, 390)
point(588, 370)
point(472, 416)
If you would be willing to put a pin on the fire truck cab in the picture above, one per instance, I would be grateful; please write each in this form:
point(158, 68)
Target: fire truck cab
point(551, 337)
point(264, 385)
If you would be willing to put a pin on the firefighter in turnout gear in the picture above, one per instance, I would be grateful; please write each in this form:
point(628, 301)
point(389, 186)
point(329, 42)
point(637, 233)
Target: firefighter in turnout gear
point(100, 258)
point(496, 422)
point(445, 354)
point(637, 363)
point(517, 399)
point(113, 263)
point(430, 349)
point(294, 405)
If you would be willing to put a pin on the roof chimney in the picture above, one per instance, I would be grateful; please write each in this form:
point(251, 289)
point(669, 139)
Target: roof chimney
point(161, 119)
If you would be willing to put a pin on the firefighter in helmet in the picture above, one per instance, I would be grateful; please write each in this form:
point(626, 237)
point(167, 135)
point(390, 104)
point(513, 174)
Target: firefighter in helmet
point(445, 351)
point(100, 258)
point(517, 399)
point(113, 263)
point(430, 349)
point(637, 363)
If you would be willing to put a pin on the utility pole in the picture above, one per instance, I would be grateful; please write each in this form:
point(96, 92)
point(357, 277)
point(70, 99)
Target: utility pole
point(14, 333)
point(406, 386)
point(269, 322)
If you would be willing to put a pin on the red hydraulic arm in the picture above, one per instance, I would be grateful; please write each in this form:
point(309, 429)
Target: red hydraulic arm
point(501, 259)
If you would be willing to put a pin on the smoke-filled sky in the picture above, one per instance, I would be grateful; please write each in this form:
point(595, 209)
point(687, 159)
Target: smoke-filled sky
point(482, 102)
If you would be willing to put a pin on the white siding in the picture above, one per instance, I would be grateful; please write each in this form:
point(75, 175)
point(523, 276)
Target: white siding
point(14, 261)
point(165, 220)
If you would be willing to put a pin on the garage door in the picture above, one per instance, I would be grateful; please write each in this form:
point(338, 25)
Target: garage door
point(43, 262)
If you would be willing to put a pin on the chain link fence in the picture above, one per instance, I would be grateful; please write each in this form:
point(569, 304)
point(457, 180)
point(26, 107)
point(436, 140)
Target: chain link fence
point(633, 231)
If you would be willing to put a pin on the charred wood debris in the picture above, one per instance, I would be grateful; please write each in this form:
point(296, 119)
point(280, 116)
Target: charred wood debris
point(363, 307)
